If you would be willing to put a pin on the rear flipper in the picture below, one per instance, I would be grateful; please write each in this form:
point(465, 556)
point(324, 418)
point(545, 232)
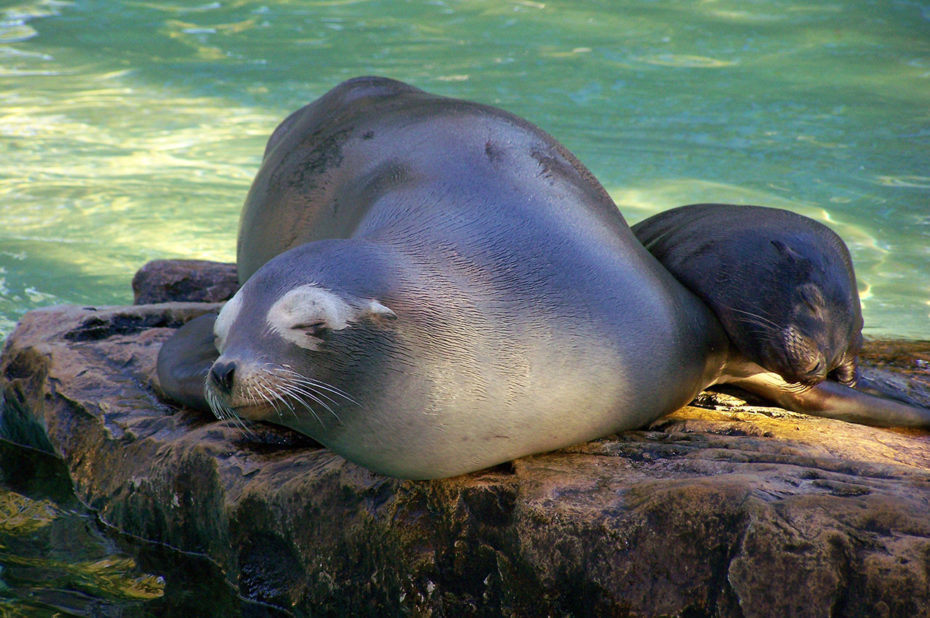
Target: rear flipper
point(834, 400)
point(185, 359)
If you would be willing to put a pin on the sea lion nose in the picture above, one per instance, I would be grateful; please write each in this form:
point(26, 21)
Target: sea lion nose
point(222, 374)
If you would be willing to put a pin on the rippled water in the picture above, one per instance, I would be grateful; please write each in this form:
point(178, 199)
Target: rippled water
point(57, 559)
point(130, 130)
point(54, 558)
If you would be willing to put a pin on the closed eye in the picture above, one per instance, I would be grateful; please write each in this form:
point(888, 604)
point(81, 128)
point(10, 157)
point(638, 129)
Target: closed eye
point(813, 298)
point(314, 329)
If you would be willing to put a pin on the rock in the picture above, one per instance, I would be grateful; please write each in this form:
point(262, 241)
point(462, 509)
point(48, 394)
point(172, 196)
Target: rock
point(162, 281)
point(721, 508)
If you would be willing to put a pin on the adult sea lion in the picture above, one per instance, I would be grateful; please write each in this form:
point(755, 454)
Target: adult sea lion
point(433, 286)
point(528, 317)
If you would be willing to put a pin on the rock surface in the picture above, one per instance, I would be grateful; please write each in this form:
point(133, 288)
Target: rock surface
point(724, 509)
point(199, 281)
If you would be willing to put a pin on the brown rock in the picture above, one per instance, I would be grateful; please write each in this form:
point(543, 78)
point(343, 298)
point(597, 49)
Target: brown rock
point(199, 281)
point(724, 509)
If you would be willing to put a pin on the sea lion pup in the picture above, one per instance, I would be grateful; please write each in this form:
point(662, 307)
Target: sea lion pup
point(783, 287)
point(433, 286)
point(735, 258)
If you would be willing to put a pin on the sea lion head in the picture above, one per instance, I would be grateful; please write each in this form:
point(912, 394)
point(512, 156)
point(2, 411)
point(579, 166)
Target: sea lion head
point(288, 340)
point(811, 330)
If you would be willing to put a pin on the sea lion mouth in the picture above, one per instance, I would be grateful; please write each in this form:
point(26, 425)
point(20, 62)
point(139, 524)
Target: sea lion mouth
point(276, 390)
point(846, 373)
point(225, 408)
point(815, 373)
point(252, 412)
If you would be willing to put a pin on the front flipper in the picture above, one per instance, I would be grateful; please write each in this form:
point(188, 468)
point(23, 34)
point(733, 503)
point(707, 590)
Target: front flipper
point(185, 359)
point(834, 400)
point(884, 383)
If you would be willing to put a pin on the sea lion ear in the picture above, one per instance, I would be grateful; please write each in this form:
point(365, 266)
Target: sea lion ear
point(377, 310)
point(803, 264)
point(787, 251)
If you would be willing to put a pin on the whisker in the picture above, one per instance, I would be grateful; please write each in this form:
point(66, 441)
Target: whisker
point(320, 392)
point(294, 382)
point(311, 410)
point(282, 389)
point(226, 413)
point(761, 327)
point(270, 397)
point(286, 394)
point(762, 330)
point(243, 426)
point(285, 369)
point(219, 410)
point(313, 396)
point(761, 318)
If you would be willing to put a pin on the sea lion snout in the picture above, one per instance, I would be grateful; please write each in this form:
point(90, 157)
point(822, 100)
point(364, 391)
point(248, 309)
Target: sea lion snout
point(222, 374)
point(816, 370)
point(804, 361)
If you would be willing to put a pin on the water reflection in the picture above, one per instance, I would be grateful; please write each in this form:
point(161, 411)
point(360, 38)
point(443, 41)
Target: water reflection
point(135, 129)
point(53, 555)
point(56, 558)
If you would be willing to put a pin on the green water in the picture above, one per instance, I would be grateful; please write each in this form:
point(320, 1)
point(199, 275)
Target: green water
point(57, 559)
point(131, 130)
point(54, 557)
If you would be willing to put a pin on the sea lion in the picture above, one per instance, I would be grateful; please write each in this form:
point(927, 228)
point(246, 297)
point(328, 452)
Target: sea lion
point(434, 286)
point(733, 257)
point(784, 288)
